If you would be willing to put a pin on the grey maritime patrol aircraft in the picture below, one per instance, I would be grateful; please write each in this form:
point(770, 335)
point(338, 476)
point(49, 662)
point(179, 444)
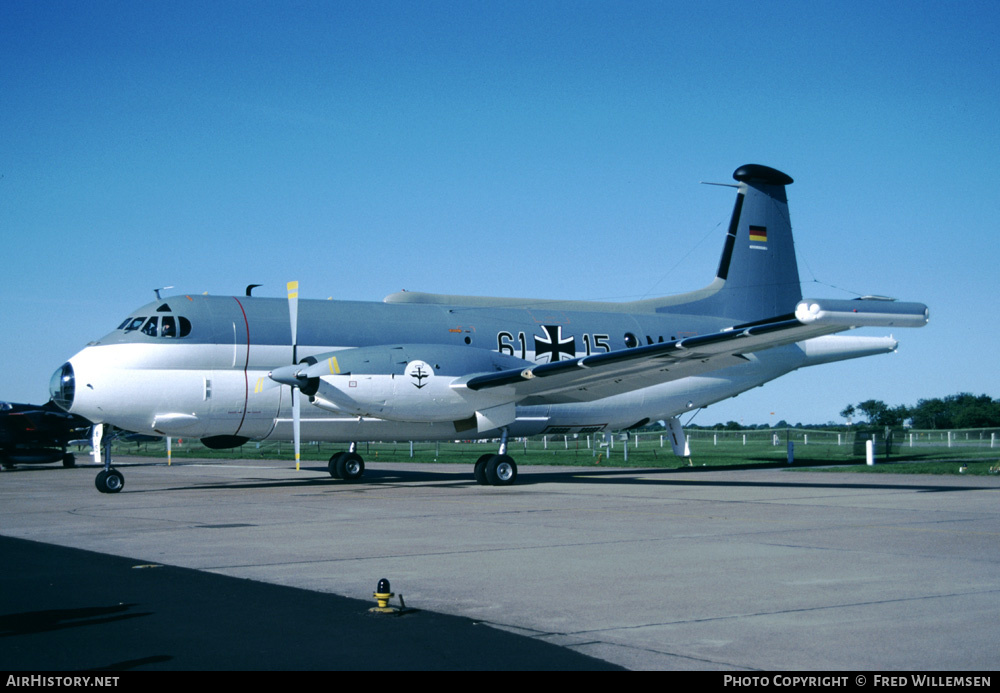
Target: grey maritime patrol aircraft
point(418, 366)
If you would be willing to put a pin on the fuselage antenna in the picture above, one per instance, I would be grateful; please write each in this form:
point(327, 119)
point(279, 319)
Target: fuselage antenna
point(251, 287)
point(162, 288)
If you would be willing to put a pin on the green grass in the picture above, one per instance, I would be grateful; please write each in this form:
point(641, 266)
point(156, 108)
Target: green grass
point(708, 451)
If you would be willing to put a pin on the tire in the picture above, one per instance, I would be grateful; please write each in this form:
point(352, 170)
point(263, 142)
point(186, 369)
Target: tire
point(480, 470)
point(110, 481)
point(501, 470)
point(350, 466)
point(332, 466)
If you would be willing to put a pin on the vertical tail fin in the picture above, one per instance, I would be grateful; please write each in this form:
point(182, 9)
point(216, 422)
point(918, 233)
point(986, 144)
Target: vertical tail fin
point(758, 277)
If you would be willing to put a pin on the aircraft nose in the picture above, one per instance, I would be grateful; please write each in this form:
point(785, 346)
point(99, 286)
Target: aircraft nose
point(62, 387)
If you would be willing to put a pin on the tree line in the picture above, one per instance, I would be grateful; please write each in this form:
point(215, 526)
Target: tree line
point(963, 410)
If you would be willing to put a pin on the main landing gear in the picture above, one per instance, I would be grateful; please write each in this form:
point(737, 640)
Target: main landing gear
point(495, 470)
point(499, 469)
point(491, 469)
point(348, 466)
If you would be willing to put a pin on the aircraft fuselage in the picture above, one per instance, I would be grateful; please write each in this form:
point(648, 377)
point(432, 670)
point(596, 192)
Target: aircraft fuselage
point(198, 366)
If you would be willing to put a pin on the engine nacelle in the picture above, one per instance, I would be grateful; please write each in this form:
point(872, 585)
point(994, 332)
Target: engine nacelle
point(418, 394)
point(410, 382)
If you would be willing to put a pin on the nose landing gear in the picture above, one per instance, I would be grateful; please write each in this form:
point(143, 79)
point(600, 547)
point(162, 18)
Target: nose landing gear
point(109, 480)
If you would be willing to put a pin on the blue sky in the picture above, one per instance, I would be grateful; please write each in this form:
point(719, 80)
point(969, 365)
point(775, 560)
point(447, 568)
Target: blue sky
point(543, 149)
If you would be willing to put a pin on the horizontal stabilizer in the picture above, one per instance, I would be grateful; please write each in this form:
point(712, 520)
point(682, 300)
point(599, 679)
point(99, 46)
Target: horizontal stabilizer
point(861, 313)
point(592, 377)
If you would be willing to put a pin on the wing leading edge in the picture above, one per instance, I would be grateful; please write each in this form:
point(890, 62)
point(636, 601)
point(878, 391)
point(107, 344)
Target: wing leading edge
point(588, 378)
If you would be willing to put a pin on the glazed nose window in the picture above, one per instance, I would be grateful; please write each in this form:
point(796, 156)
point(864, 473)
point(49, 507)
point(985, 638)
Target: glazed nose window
point(62, 387)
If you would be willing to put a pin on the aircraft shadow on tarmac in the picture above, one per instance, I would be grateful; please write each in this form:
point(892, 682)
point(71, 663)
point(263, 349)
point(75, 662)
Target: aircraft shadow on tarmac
point(615, 476)
point(67, 609)
point(58, 619)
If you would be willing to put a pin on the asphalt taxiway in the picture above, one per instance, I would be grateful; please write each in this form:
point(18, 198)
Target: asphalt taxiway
point(571, 568)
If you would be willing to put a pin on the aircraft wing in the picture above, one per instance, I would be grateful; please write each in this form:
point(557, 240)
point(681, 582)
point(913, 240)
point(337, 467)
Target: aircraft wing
point(602, 375)
point(42, 422)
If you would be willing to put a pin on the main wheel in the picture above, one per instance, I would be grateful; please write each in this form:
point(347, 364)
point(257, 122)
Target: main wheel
point(332, 466)
point(480, 470)
point(350, 466)
point(109, 481)
point(501, 470)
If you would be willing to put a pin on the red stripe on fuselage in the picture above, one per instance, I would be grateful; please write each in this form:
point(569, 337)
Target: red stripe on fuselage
point(246, 365)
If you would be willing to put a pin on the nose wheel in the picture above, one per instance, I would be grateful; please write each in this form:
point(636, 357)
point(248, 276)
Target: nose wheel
point(109, 481)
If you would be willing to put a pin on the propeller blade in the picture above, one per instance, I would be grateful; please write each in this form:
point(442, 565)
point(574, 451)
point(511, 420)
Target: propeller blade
point(296, 423)
point(293, 316)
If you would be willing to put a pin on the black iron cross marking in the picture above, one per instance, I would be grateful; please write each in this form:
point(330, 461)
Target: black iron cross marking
point(553, 346)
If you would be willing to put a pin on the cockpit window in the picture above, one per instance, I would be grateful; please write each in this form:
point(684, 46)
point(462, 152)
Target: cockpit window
point(5, 406)
point(169, 326)
point(133, 324)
